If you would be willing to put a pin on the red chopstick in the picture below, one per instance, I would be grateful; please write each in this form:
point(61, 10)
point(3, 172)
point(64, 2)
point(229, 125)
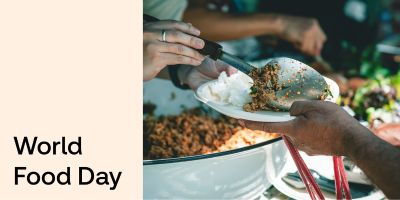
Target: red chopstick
point(345, 182)
point(341, 182)
point(308, 180)
point(302, 175)
point(338, 185)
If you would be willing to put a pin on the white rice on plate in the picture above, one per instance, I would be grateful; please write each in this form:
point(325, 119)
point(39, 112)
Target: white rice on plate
point(233, 90)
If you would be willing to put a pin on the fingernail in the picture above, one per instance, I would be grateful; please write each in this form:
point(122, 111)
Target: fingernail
point(196, 31)
point(241, 122)
point(199, 43)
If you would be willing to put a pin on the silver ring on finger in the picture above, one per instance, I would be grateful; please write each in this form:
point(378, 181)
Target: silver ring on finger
point(163, 35)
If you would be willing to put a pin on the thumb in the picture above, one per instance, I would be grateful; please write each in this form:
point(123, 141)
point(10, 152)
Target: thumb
point(271, 127)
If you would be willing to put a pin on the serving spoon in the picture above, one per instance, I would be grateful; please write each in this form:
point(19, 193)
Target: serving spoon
point(299, 81)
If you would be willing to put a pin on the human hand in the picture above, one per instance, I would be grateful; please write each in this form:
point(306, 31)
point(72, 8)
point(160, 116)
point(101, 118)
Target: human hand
point(305, 33)
point(208, 70)
point(319, 127)
point(178, 48)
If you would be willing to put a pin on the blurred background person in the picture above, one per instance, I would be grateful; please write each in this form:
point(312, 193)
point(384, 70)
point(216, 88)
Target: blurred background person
point(226, 20)
point(311, 26)
point(337, 38)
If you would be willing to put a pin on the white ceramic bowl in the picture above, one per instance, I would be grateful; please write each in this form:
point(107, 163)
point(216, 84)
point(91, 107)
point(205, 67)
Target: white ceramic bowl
point(242, 173)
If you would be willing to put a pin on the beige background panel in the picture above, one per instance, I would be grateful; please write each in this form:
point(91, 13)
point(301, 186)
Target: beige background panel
point(72, 68)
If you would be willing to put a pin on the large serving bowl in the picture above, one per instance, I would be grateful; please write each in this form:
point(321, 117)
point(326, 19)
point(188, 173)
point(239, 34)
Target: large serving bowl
point(242, 173)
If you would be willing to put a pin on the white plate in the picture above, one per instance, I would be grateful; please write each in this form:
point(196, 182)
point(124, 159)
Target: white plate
point(260, 116)
point(321, 164)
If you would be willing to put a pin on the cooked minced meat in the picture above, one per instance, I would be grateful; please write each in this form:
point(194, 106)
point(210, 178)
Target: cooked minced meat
point(264, 87)
point(194, 133)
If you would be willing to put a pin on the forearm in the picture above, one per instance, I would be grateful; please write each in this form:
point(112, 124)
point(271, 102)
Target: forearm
point(220, 26)
point(378, 159)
